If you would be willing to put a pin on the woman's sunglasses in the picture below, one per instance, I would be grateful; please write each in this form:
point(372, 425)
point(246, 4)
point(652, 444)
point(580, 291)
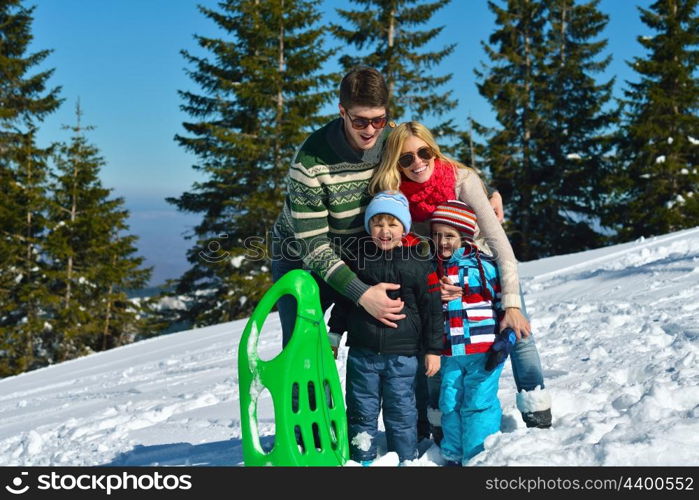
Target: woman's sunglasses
point(407, 159)
point(360, 123)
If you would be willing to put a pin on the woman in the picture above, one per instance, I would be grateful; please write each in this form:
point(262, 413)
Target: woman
point(413, 163)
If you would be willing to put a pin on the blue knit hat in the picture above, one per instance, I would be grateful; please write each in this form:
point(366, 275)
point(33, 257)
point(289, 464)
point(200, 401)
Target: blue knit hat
point(389, 202)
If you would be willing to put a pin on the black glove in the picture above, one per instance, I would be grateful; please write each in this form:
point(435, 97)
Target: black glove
point(501, 348)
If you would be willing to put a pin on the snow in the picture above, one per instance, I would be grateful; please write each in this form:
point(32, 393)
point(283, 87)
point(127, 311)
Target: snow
point(616, 327)
point(660, 159)
point(693, 141)
point(176, 303)
point(573, 156)
point(362, 441)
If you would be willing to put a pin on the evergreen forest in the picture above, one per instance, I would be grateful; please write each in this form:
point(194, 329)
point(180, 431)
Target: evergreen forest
point(580, 160)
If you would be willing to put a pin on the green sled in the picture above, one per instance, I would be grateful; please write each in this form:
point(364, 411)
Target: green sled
point(305, 366)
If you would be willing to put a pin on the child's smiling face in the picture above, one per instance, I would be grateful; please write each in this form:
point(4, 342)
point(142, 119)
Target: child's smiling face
point(447, 239)
point(386, 231)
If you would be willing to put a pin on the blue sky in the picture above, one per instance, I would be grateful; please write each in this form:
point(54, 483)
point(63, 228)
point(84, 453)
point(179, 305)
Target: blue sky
point(121, 59)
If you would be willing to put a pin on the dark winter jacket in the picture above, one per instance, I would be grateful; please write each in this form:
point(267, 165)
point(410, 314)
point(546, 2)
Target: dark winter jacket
point(421, 329)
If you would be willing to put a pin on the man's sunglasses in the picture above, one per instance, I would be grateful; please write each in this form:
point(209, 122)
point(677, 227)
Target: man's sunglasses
point(360, 123)
point(407, 159)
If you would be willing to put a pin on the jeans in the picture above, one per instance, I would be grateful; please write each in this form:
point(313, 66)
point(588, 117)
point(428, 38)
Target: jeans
point(286, 305)
point(526, 364)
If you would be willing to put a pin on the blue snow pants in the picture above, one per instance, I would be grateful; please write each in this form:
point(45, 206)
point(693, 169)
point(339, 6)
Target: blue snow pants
point(376, 381)
point(526, 370)
point(469, 403)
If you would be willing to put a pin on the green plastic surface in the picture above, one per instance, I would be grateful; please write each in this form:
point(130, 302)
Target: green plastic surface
point(305, 366)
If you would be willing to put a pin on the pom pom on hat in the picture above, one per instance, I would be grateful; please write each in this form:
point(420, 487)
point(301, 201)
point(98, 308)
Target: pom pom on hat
point(389, 202)
point(458, 215)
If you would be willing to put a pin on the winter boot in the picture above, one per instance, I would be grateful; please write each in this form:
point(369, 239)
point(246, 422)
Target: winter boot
point(535, 406)
point(540, 419)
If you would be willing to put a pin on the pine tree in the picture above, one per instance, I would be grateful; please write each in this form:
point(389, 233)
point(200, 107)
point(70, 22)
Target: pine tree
point(120, 271)
point(579, 122)
point(262, 94)
point(390, 33)
point(92, 259)
point(24, 101)
point(26, 296)
point(657, 173)
point(513, 82)
point(551, 154)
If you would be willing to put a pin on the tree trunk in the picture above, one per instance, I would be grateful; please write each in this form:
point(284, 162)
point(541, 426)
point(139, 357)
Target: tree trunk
point(391, 42)
point(526, 137)
point(280, 95)
point(31, 306)
point(108, 313)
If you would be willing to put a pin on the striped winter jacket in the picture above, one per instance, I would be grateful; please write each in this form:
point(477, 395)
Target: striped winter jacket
point(471, 322)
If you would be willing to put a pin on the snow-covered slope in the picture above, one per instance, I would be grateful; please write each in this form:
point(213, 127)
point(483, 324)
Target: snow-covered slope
point(617, 328)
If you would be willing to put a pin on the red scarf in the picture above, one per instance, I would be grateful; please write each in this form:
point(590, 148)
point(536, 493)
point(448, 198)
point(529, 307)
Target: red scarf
point(424, 197)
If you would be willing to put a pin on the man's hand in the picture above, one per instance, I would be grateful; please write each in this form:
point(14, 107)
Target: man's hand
point(515, 319)
point(432, 362)
point(496, 203)
point(376, 302)
point(448, 290)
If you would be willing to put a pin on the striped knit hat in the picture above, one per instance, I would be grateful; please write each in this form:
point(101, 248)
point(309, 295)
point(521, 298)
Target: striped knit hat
point(461, 217)
point(458, 215)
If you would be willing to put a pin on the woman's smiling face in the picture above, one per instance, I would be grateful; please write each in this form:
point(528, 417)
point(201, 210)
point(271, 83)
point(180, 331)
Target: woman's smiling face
point(420, 170)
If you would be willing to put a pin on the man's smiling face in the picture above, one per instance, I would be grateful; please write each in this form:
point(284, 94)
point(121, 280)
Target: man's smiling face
point(364, 138)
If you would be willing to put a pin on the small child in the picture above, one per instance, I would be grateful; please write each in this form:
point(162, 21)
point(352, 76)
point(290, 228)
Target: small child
point(382, 361)
point(468, 395)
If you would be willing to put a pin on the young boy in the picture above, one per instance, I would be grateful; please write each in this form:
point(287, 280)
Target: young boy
point(468, 395)
point(382, 361)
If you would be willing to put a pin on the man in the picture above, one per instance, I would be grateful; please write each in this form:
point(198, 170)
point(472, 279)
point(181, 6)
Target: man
point(327, 195)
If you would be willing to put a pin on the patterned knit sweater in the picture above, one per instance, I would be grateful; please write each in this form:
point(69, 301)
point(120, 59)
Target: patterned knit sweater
point(323, 213)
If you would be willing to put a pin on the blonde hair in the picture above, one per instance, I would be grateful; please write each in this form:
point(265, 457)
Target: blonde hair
point(387, 176)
